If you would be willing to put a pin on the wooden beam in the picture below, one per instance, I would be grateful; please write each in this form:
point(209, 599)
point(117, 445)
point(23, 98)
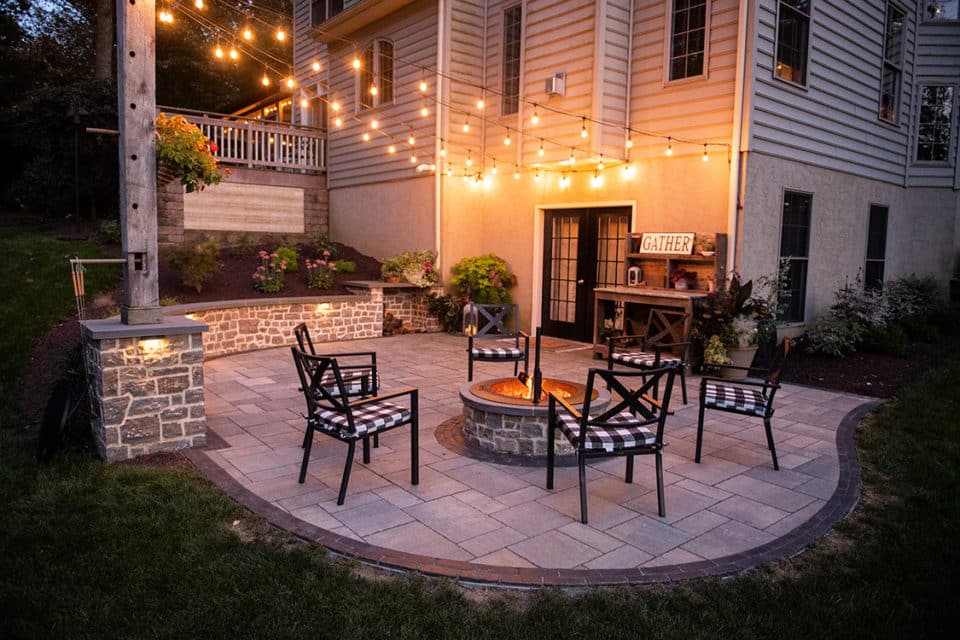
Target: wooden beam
point(136, 108)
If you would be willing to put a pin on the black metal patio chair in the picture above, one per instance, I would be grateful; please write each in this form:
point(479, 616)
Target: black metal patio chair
point(488, 323)
point(750, 397)
point(333, 413)
point(664, 343)
point(632, 424)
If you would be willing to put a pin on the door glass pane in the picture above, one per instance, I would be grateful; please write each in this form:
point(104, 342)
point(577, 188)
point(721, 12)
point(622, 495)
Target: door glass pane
point(611, 248)
point(563, 272)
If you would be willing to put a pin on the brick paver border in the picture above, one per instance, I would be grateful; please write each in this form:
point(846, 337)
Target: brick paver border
point(842, 502)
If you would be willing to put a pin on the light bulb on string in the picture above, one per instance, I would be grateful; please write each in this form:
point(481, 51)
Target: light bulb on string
point(234, 54)
point(443, 149)
point(366, 136)
point(669, 151)
point(304, 103)
point(392, 149)
point(540, 150)
point(564, 181)
point(481, 103)
point(628, 169)
point(466, 124)
point(506, 139)
point(629, 141)
point(316, 65)
point(600, 163)
point(536, 177)
point(198, 4)
point(469, 162)
point(535, 118)
point(493, 167)
point(413, 159)
point(335, 105)
point(374, 124)
point(424, 112)
point(247, 33)
point(373, 90)
point(290, 82)
point(218, 52)
point(356, 63)
point(281, 35)
point(265, 80)
point(423, 84)
point(705, 158)
point(572, 160)
point(516, 171)
point(597, 179)
point(338, 122)
point(411, 140)
point(583, 128)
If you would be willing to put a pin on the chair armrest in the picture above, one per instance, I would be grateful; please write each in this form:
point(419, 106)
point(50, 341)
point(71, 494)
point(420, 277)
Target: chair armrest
point(619, 338)
point(654, 402)
point(386, 396)
point(742, 381)
point(566, 405)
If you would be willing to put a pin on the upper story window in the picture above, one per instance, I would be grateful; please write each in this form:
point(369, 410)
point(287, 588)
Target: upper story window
point(942, 10)
point(793, 40)
point(375, 80)
point(512, 40)
point(934, 124)
point(892, 64)
point(688, 38)
point(323, 10)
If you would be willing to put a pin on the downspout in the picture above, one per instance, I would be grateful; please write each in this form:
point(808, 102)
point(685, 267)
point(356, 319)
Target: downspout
point(735, 203)
point(438, 132)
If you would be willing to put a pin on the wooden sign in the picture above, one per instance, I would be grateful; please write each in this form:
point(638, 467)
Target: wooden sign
point(666, 243)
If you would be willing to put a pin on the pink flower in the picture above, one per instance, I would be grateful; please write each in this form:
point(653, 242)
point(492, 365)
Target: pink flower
point(274, 255)
point(263, 254)
point(326, 254)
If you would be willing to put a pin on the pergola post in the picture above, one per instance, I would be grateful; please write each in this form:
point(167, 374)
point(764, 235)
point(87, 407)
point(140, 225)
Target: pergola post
point(136, 112)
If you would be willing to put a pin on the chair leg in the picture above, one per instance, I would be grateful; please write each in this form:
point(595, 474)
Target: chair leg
point(683, 384)
point(414, 440)
point(629, 477)
point(582, 463)
point(376, 439)
point(352, 446)
point(516, 368)
point(366, 450)
point(551, 438)
point(660, 501)
point(307, 446)
point(696, 458)
point(306, 439)
point(773, 449)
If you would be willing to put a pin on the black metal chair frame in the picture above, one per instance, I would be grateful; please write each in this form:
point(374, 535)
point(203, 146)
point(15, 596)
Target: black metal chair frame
point(353, 364)
point(659, 327)
point(638, 402)
point(492, 323)
point(767, 386)
point(311, 370)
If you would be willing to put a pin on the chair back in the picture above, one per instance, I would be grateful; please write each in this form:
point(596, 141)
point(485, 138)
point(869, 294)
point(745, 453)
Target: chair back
point(624, 397)
point(303, 338)
point(319, 392)
point(497, 320)
point(666, 327)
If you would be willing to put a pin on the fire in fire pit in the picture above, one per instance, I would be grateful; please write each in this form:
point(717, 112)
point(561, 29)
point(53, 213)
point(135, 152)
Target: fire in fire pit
point(514, 391)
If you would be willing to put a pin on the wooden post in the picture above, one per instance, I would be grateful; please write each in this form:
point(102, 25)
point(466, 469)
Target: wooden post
point(136, 110)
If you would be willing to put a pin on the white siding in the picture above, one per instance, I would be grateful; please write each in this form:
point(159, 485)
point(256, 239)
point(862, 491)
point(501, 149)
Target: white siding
point(834, 122)
point(466, 51)
point(305, 50)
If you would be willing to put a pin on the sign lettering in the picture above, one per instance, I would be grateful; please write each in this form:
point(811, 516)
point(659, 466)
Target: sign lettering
point(666, 243)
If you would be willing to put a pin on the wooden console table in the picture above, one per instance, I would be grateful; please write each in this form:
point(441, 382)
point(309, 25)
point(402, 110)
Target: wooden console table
point(649, 296)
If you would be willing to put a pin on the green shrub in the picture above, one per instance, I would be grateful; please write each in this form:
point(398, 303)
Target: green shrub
point(325, 247)
point(345, 266)
point(289, 256)
point(483, 279)
point(912, 296)
point(110, 232)
point(833, 337)
point(240, 246)
point(447, 310)
point(169, 301)
point(890, 339)
point(197, 262)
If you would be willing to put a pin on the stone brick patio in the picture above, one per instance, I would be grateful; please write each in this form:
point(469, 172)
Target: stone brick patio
point(478, 519)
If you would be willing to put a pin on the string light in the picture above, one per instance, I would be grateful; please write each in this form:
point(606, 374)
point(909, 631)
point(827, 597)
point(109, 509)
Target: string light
point(335, 105)
point(481, 103)
point(597, 179)
point(540, 150)
point(413, 159)
point(198, 4)
point(290, 82)
point(411, 140)
point(218, 52)
point(423, 84)
point(466, 124)
point(705, 157)
point(443, 149)
point(373, 90)
point(304, 103)
point(265, 80)
point(535, 119)
point(391, 149)
point(424, 112)
point(571, 160)
point(366, 136)
point(583, 128)
point(316, 65)
point(600, 163)
point(165, 16)
point(281, 35)
point(516, 171)
point(374, 124)
point(536, 178)
point(629, 143)
point(356, 62)
point(628, 170)
point(234, 54)
point(506, 139)
point(669, 151)
point(247, 33)
point(469, 162)
point(564, 181)
point(338, 122)
point(493, 167)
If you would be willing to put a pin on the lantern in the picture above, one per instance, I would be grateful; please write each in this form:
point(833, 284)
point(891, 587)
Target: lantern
point(471, 320)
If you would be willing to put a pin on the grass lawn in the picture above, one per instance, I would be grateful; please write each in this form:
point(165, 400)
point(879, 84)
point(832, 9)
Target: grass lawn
point(124, 550)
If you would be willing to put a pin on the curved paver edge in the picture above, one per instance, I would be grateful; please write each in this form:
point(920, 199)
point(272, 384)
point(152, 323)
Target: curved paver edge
point(841, 503)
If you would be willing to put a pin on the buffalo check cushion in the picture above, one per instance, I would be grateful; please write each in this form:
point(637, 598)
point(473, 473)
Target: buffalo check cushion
point(367, 419)
point(496, 353)
point(743, 400)
point(353, 382)
point(621, 432)
point(645, 360)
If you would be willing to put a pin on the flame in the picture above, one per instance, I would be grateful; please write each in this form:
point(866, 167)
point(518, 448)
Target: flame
point(529, 392)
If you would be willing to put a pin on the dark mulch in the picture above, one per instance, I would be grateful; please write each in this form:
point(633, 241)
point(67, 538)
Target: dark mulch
point(233, 281)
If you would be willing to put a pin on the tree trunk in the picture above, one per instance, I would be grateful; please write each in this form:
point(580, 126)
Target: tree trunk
point(103, 57)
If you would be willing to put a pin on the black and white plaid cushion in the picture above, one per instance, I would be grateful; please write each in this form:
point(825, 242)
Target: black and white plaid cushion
point(496, 353)
point(645, 360)
point(613, 438)
point(368, 419)
point(352, 382)
point(744, 400)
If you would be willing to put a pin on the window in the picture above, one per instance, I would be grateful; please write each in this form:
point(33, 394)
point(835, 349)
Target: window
point(876, 247)
point(510, 100)
point(933, 127)
point(793, 36)
point(688, 38)
point(795, 249)
point(375, 81)
point(892, 62)
point(942, 10)
point(323, 10)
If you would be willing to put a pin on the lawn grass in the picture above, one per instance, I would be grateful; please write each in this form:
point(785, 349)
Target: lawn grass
point(89, 550)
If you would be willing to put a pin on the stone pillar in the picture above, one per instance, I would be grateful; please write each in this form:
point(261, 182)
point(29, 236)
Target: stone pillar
point(146, 386)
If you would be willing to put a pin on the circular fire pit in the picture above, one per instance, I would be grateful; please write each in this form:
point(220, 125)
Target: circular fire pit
point(498, 417)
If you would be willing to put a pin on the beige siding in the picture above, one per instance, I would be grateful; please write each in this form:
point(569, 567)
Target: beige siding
point(612, 84)
point(305, 51)
point(833, 122)
point(249, 207)
point(466, 50)
point(351, 161)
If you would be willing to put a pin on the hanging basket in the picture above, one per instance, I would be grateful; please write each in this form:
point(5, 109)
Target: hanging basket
point(165, 174)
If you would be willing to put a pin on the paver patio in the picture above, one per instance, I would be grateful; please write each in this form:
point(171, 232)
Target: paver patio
point(486, 521)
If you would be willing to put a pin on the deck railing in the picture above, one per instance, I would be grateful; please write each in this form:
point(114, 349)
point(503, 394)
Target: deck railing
point(259, 143)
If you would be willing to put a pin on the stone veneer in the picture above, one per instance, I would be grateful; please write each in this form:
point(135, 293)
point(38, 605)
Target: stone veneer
point(146, 386)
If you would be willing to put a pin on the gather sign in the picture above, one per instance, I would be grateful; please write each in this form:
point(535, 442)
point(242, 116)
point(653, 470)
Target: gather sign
point(666, 243)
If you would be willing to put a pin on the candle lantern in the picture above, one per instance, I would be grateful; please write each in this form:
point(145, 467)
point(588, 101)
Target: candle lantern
point(471, 320)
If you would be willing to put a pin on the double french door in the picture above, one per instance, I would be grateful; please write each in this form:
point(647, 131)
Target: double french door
point(582, 249)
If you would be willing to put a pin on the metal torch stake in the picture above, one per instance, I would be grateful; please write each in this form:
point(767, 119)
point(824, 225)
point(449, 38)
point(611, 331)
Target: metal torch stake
point(537, 375)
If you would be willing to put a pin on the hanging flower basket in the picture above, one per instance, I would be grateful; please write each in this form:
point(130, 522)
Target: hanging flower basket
point(187, 154)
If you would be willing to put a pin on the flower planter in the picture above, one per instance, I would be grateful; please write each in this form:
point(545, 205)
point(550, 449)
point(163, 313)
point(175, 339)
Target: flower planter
point(165, 174)
point(741, 357)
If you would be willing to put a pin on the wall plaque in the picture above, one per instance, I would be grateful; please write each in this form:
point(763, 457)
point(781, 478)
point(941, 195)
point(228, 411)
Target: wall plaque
point(666, 243)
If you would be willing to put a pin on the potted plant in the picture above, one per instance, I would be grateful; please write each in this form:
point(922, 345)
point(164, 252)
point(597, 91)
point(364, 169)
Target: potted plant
point(683, 279)
point(185, 154)
point(732, 321)
point(391, 269)
point(705, 245)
